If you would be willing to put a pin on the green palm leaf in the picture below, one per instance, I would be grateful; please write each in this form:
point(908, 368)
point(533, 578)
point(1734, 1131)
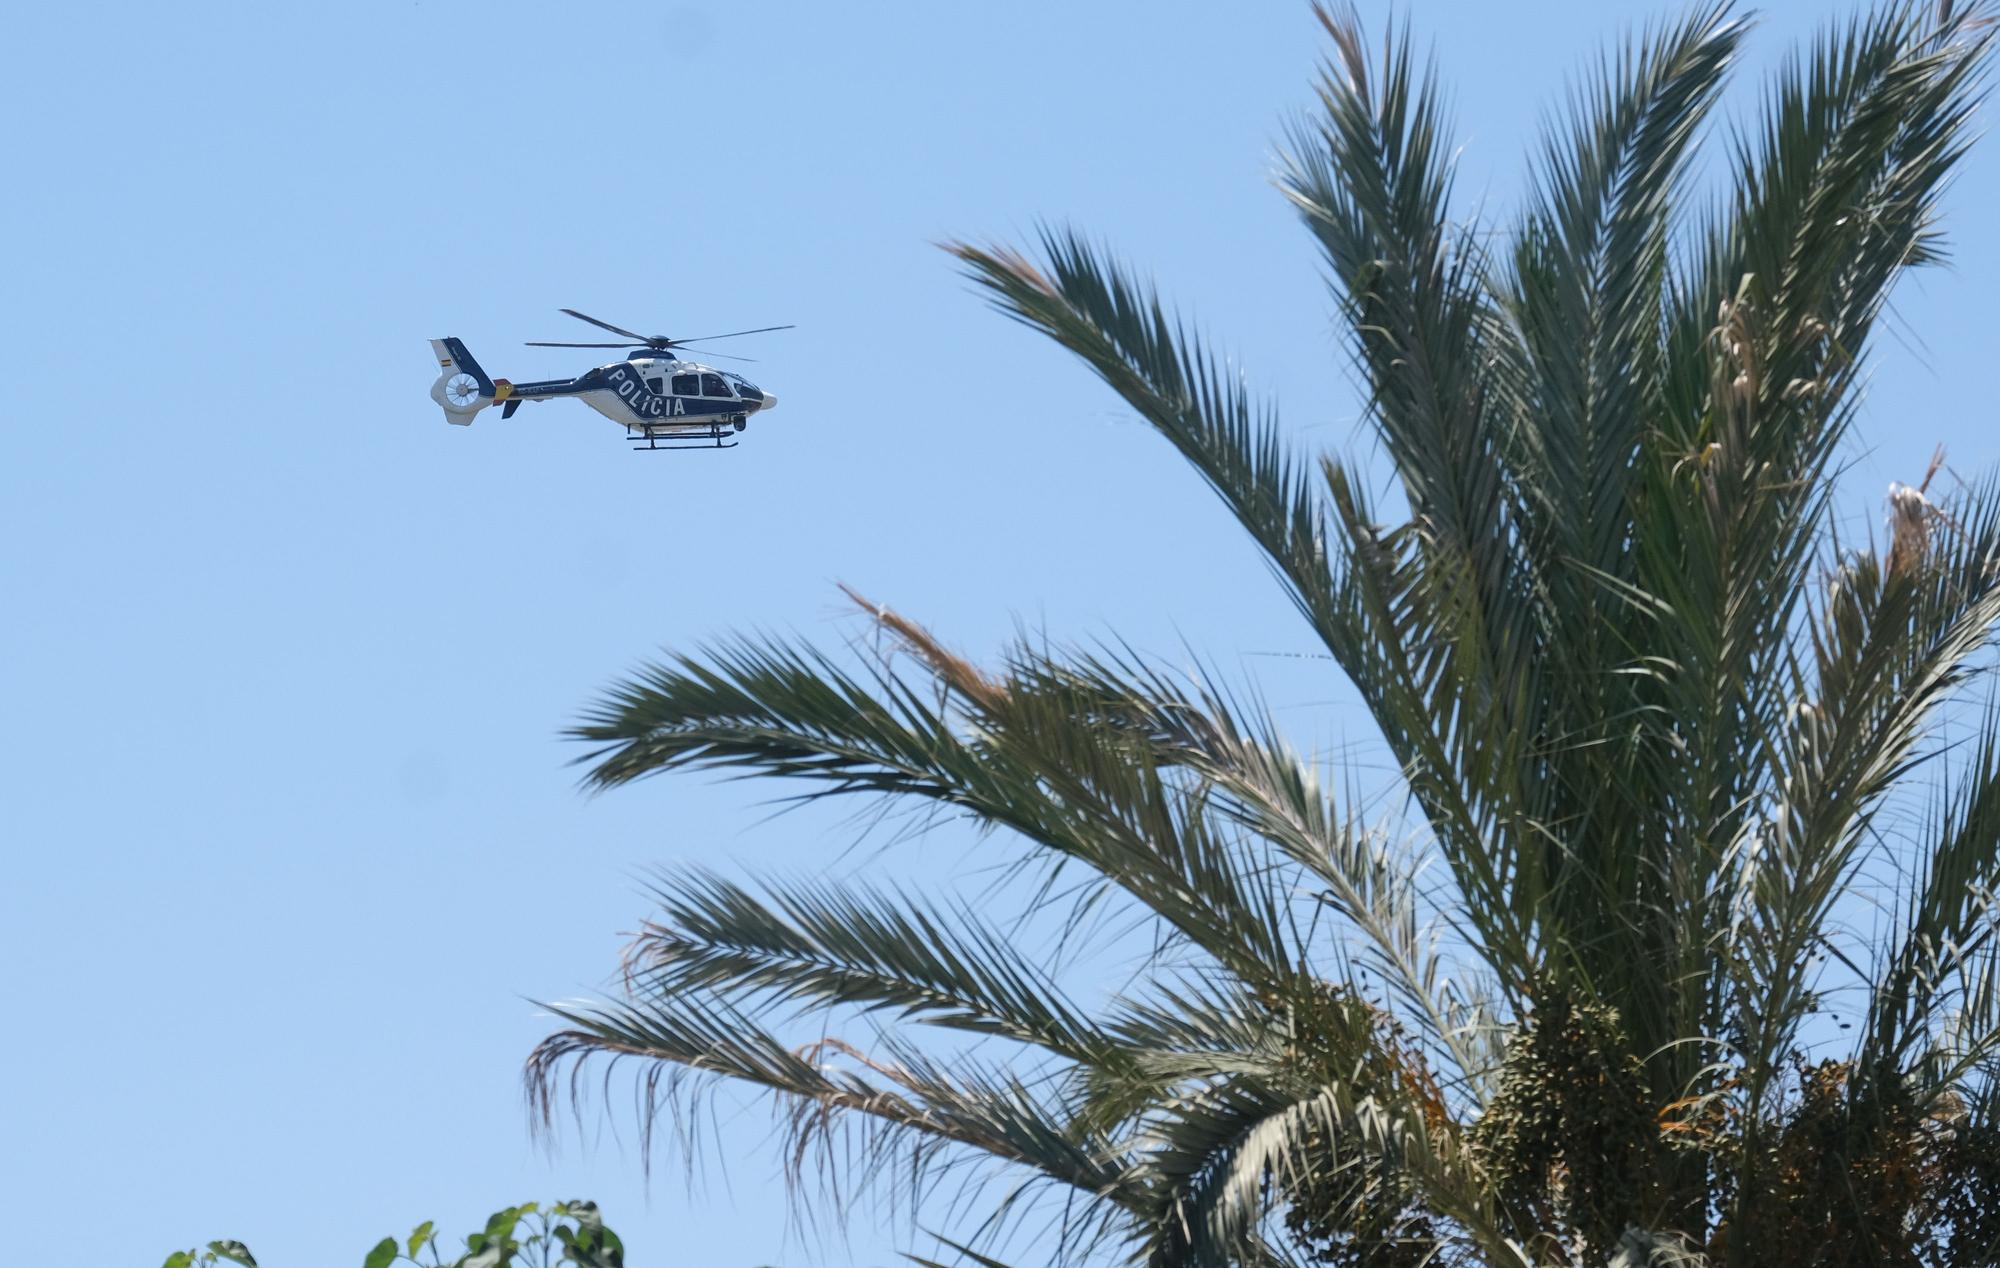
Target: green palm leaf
point(818, 944)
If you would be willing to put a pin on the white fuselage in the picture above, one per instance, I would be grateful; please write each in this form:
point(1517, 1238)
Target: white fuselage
point(620, 411)
point(668, 395)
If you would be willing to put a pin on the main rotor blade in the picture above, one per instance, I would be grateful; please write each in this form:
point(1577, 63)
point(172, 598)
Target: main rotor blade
point(616, 330)
point(724, 355)
point(731, 335)
point(539, 343)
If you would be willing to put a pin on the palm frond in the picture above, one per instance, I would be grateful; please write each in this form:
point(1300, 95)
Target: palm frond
point(1860, 136)
point(820, 944)
point(1892, 642)
point(1961, 1064)
point(1586, 295)
point(977, 1259)
point(1454, 603)
point(1766, 338)
point(1228, 1154)
point(1952, 912)
point(1125, 332)
point(1031, 761)
point(775, 708)
point(1454, 718)
point(909, 1109)
point(1372, 179)
point(1588, 290)
point(1259, 783)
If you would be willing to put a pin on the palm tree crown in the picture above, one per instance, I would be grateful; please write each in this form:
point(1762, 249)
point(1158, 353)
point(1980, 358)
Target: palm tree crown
point(1652, 720)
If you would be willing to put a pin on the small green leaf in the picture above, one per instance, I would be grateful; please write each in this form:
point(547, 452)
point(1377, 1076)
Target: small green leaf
point(594, 1248)
point(382, 1256)
point(179, 1259)
point(610, 1250)
point(235, 1252)
point(421, 1236)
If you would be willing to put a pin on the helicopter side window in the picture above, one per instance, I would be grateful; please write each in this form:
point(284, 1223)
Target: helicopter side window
point(712, 385)
point(652, 385)
point(687, 385)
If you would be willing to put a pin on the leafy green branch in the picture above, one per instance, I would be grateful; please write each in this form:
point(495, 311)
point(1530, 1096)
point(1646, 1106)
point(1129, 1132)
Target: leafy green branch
point(530, 1235)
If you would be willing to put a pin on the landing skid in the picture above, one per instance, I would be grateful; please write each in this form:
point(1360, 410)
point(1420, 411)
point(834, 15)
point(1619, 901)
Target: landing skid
point(713, 438)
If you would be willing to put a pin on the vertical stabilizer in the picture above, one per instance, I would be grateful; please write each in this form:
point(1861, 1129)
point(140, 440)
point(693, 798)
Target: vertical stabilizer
point(462, 388)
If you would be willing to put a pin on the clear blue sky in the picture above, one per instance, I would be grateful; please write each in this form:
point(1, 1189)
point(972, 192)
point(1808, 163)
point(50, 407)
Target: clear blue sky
point(290, 831)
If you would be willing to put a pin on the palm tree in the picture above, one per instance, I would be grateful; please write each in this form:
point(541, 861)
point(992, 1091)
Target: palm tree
point(1655, 726)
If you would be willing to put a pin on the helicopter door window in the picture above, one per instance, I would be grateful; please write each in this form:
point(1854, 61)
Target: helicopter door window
point(652, 385)
point(712, 385)
point(687, 385)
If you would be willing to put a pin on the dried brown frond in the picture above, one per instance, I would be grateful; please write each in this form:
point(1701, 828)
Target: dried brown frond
point(1009, 259)
point(1909, 527)
point(814, 1052)
point(960, 674)
point(1708, 1122)
point(1737, 338)
point(1913, 514)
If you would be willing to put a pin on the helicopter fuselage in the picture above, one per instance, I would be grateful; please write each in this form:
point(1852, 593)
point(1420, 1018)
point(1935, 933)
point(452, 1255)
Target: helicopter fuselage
point(649, 393)
point(658, 394)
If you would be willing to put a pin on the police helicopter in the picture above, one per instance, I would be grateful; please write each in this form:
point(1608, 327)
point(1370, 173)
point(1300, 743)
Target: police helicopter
point(660, 398)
